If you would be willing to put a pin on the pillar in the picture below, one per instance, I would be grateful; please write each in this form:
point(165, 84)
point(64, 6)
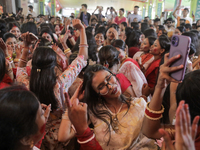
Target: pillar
point(53, 7)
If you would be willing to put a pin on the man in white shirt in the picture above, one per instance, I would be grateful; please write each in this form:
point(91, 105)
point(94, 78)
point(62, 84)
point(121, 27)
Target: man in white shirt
point(134, 15)
point(30, 11)
point(185, 12)
point(112, 14)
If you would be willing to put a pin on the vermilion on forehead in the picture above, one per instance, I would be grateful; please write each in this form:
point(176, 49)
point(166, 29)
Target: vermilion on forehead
point(15, 28)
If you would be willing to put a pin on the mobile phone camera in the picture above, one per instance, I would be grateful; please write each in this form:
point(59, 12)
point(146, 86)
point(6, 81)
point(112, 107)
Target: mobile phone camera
point(175, 41)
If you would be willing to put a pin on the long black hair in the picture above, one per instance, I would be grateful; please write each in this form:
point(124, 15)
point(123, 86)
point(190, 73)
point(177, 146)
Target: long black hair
point(29, 27)
point(194, 38)
point(2, 65)
point(109, 55)
point(18, 111)
point(95, 100)
point(189, 91)
point(134, 39)
point(43, 76)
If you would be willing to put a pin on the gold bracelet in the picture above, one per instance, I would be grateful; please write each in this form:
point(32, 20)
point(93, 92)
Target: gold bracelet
point(153, 118)
point(67, 50)
point(153, 111)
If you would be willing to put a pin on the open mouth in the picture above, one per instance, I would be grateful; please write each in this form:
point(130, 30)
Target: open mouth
point(114, 90)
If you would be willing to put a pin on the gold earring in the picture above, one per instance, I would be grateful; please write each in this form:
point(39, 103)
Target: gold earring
point(32, 144)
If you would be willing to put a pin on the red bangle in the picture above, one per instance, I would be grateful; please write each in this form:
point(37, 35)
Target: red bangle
point(152, 115)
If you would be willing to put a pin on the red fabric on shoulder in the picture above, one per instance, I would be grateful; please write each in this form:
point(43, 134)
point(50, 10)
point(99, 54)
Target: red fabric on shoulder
point(133, 61)
point(152, 72)
point(124, 82)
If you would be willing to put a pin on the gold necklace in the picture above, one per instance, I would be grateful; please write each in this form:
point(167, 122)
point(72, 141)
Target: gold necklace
point(115, 120)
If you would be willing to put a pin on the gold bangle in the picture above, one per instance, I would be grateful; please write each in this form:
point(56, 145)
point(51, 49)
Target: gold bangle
point(153, 111)
point(153, 118)
point(67, 50)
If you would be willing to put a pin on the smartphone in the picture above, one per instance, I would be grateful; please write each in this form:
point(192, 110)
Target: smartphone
point(179, 45)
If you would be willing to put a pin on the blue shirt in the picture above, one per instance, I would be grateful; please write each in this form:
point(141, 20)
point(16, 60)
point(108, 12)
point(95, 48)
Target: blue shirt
point(85, 19)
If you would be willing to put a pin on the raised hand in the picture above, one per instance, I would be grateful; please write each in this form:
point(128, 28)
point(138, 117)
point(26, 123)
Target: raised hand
point(77, 24)
point(18, 49)
point(146, 90)
point(63, 38)
point(67, 23)
point(77, 112)
point(47, 110)
point(165, 70)
point(27, 39)
point(2, 45)
point(185, 133)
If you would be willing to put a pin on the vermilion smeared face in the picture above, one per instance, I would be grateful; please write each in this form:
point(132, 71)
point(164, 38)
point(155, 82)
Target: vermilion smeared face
point(155, 48)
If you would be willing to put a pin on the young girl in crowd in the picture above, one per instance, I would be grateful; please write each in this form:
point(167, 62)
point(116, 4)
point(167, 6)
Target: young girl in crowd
point(143, 57)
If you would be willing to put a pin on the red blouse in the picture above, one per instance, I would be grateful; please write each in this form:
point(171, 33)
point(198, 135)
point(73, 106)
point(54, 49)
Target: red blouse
point(120, 21)
point(124, 82)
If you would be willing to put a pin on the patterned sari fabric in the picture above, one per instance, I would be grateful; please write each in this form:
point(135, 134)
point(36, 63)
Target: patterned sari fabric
point(63, 83)
point(128, 136)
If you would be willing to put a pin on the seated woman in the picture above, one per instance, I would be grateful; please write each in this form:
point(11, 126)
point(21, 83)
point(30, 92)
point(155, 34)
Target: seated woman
point(109, 57)
point(117, 120)
point(158, 49)
point(22, 119)
point(49, 83)
point(143, 57)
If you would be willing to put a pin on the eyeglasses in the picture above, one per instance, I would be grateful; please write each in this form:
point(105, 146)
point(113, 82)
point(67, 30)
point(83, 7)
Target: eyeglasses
point(104, 89)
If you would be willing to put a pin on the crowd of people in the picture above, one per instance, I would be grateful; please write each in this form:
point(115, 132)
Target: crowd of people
point(97, 82)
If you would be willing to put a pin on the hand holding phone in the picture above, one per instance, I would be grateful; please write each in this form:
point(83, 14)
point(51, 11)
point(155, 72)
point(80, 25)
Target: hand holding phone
point(179, 46)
